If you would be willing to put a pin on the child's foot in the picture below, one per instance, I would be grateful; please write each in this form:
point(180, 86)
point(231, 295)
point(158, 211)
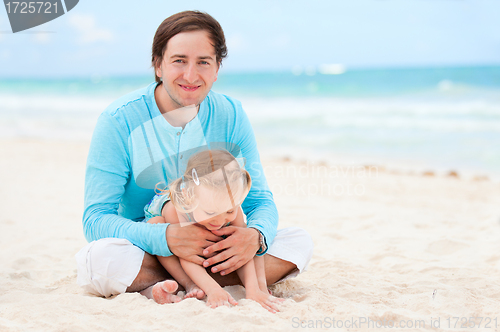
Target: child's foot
point(194, 292)
point(162, 292)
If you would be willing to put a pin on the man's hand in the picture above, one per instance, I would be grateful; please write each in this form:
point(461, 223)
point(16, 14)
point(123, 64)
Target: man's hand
point(237, 249)
point(188, 242)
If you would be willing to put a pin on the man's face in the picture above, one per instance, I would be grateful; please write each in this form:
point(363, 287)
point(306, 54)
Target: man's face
point(188, 70)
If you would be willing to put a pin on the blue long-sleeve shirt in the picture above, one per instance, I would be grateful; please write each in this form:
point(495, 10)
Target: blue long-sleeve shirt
point(134, 148)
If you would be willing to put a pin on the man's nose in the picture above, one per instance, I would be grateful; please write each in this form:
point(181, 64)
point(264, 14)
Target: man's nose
point(191, 73)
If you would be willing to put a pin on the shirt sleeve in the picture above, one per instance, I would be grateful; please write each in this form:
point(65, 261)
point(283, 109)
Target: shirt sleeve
point(108, 171)
point(259, 205)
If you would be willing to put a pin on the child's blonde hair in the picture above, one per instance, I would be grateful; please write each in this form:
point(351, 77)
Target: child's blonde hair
point(218, 170)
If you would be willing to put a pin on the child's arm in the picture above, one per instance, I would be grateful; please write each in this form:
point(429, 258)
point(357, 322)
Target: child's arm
point(253, 276)
point(157, 220)
point(253, 292)
point(216, 296)
point(258, 260)
point(260, 270)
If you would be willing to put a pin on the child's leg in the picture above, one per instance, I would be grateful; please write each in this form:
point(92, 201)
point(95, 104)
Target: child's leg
point(216, 296)
point(173, 266)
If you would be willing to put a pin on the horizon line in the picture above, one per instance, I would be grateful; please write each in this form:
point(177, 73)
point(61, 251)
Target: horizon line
point(103, 76)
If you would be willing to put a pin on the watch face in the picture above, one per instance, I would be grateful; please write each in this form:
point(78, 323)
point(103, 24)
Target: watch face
point(263, 246)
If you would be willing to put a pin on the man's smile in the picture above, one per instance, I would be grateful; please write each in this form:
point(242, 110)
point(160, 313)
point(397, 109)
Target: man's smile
point(189, 88)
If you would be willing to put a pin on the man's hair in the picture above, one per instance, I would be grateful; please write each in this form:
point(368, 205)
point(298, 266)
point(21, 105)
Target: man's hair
point(184, 22)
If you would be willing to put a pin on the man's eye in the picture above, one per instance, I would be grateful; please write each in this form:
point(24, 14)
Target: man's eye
point(204, 63)
point(179, 60)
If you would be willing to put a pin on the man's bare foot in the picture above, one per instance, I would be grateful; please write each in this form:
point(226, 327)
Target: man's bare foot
point(194, 292)
point(162, 292)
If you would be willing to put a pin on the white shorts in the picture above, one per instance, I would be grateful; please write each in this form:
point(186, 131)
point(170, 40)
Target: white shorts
point(108, 266)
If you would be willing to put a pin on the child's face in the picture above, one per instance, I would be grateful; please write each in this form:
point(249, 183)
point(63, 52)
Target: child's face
point(214, 208)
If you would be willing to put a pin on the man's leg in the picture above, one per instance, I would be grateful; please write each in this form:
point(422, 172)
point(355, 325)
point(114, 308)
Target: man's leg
point(113, 266)
point(151, 272)
point(288, 256)
point(132, 270)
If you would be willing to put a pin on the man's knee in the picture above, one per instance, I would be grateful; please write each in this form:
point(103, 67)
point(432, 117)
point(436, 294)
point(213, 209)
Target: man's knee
point(108, 266)
point(294, 245)
point(303, 239)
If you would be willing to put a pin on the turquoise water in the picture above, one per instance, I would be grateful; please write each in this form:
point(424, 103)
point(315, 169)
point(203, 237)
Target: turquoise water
point(444, 118)
point(351, 84)
point(363, 83)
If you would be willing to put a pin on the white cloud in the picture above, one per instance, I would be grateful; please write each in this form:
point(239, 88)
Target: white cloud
point(89, 32)
point(332, 69)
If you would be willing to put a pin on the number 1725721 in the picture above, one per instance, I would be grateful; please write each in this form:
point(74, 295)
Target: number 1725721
point(16, 7)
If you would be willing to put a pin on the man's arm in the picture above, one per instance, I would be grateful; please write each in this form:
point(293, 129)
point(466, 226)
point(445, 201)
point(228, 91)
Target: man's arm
point(259, 206)
point(107, 173)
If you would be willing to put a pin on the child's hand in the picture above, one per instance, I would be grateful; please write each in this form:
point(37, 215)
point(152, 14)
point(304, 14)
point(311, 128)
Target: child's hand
point(220, 297)
point(269, 302)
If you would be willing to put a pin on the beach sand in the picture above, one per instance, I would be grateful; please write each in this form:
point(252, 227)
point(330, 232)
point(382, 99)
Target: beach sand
point(407, 249)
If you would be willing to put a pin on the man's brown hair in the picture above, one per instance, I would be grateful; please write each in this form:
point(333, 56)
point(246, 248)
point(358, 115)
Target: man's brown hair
point(183, 22)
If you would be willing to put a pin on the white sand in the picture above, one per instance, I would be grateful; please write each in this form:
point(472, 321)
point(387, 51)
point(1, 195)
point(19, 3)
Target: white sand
point(383, 246)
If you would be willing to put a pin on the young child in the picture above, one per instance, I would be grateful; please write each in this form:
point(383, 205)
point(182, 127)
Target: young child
point(209, 195)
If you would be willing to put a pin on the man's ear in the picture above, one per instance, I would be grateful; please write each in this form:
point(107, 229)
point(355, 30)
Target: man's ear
point(157, 63)
point(217, 72)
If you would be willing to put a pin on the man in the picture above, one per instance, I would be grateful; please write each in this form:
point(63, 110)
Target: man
point(138, 144)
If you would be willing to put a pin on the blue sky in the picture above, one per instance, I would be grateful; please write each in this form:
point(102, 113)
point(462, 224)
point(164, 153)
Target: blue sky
point(114, 37)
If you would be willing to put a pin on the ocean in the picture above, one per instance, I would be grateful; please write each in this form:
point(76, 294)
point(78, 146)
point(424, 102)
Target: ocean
point(439, 119)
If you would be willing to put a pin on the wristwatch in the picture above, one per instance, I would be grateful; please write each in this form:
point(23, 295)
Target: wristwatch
point(262, 242)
